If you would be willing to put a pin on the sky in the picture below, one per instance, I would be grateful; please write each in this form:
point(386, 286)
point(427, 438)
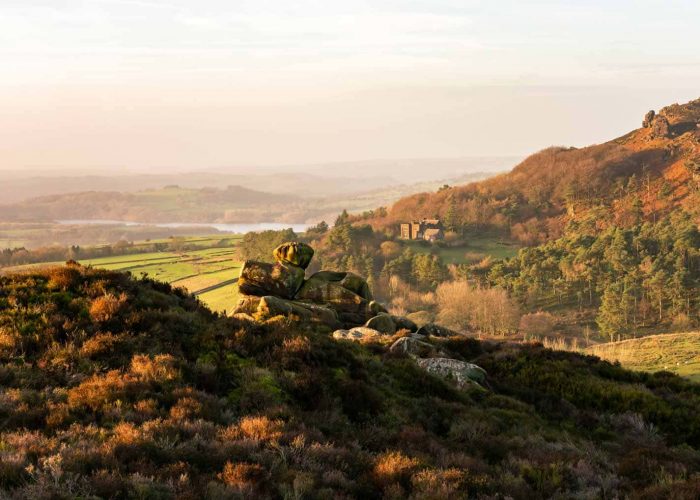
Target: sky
point(160, 85)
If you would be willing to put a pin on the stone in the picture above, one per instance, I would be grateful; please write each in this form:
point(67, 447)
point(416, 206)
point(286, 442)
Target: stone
point(242, 316)
point(333, 294)
point(351, 320)
point(403, 323)
point(247, 304)
point(294, 253)
point(274, 306)
point(377, 307)
point(413, 347)
point(349, 281)
point(648, 118)
point(261, 279)
point(359, 334)
point(382, 322)
point(660, 127)
point(436, 330)
point(461, 372)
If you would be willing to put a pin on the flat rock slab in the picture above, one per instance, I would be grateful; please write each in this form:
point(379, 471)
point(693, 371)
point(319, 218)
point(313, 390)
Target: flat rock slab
point(360, 334)
point(460, 372)
point(413, 347)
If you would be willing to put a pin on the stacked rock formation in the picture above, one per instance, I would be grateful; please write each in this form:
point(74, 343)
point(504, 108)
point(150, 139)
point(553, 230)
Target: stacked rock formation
point(343, 302)
point(331, 298)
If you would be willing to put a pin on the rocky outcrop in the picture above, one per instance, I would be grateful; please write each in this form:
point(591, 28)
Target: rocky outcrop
point(648, 118)
point(461, 372)
point(660, 127)
point(332, 298)
point(279, 279)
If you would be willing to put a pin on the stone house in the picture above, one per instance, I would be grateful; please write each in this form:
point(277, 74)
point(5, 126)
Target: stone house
point(426, 229)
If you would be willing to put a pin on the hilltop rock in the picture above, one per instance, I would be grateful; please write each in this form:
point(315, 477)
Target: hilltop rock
point(261, 279)
point(461, 372)
point(660, 127)
point(383, 323)
point(294, 253)
point(648, 118)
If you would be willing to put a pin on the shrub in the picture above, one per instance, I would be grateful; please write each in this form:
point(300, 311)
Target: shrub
point(538, 324)
point(103, 308)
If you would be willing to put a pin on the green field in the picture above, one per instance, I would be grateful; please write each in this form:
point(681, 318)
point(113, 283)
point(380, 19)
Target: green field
point(474, 251)
point(675, 352)
point(207, 272)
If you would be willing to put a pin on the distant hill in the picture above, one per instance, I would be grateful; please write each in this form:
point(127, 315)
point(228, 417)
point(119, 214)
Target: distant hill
point(114, 387)
point(175, 203)
point(658, 164)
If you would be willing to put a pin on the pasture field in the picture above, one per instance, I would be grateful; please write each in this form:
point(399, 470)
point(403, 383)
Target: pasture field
point(476, 249)
point(208, 271)
point(675, 352)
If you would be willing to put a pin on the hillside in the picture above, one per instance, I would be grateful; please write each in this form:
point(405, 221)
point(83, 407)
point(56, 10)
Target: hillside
point(116, 387)
point(678, 353)
point(654, 168)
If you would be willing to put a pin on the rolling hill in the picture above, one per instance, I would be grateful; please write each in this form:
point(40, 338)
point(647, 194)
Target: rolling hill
point(657, 164)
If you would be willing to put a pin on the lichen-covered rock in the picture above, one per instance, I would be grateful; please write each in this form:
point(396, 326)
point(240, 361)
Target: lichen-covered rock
point(382, 322)
point(436, 330)
point(314, 313)
point(359, 334)
point(261, 279)
point(461, 372)
point(294, 253)
point(247, 304)
point(349, 281)
point(413, 347)
point(333, 294)
point(403, 323)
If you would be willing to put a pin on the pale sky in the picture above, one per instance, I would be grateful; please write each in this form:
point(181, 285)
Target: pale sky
point(158, 84)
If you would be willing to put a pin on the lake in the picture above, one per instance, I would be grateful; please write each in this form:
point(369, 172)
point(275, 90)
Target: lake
point(239, 228)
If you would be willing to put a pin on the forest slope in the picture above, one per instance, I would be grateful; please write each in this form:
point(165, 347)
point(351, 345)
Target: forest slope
point(116, 387)
point(656, 167)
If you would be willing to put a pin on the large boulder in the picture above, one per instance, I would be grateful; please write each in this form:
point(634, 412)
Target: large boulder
point(313, 313)
point(359, 334)
point(294, 253)
point(382, 322)
point(648, 118)
point(261, 279)
point(349, 281)
point(322, 291)
point(460, 372)
point(436, 330)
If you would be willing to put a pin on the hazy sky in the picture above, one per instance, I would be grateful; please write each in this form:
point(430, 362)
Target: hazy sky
point(210, 83)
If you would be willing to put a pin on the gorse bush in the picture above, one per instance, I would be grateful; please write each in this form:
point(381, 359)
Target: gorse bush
point(161, 398)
